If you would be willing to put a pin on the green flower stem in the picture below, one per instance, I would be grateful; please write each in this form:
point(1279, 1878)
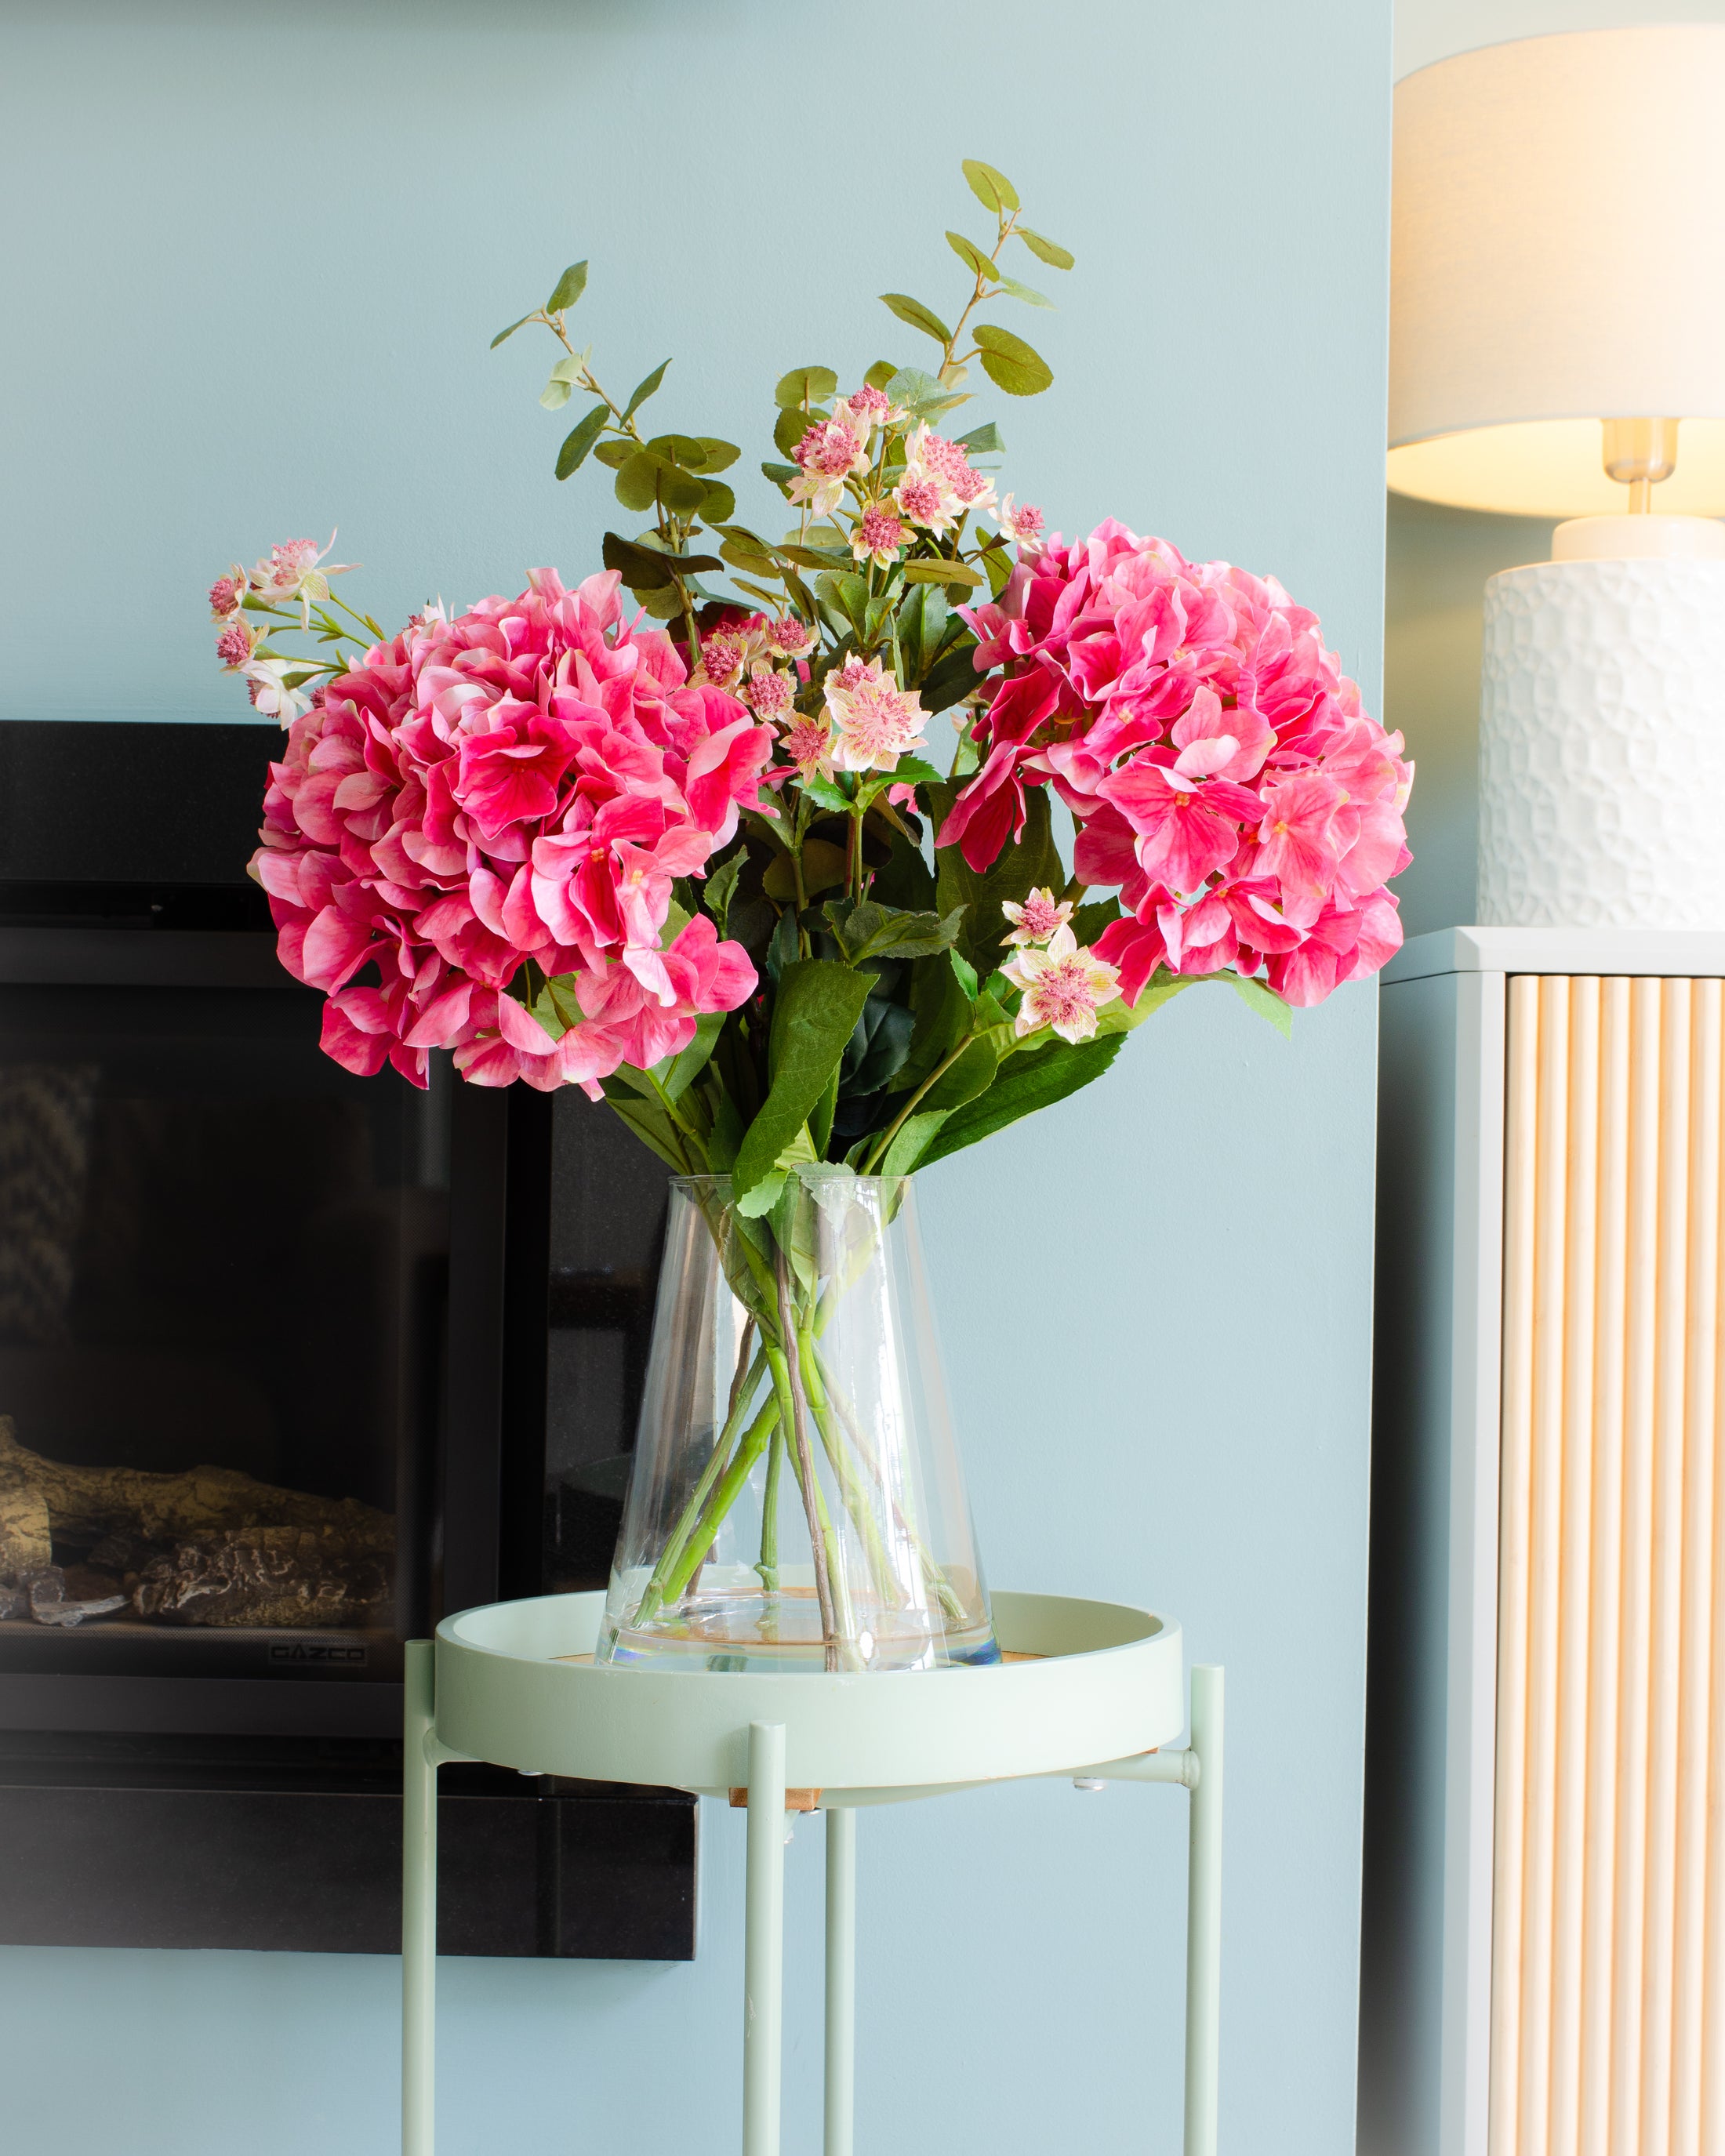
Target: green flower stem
point(793, 1411)
point(742, 1391)
point(892, 1129)
point(730, 1486)
point(856, 1500)
point(768, 1566)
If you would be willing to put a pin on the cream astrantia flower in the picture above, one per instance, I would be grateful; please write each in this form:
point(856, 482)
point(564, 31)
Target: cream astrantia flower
point(297, 571)
point(1064, 987)
point(808, 745)
point(879, 536)
point(1037, 918)
point(875, 722)
point(269, 691)
point(768, 693)
point(827, 454)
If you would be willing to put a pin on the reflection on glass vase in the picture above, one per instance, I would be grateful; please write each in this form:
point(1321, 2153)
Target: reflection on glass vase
point(796, 1502)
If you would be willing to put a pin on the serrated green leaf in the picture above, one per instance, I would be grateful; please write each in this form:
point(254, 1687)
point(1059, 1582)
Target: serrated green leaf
point(1010, 364)
point(720, 886)
point(972, 256)
point(570, 286)
point(815, 1014)
point(825, 794)
point(510, 331)
point(576, 443)
point(865, 930)
point(1027, 293)
point(917, 316)
point(1045, 250)
point(644, 390)
point(992, 189)
point(805, 385)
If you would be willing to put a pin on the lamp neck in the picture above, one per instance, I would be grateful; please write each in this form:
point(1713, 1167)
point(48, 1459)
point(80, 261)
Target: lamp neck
point(1638, 454)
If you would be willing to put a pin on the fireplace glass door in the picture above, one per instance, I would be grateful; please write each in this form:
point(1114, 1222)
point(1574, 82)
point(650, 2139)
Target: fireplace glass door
point(223, 1265)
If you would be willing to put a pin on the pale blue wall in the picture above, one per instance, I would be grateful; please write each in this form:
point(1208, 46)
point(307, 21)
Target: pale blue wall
point(252, 260)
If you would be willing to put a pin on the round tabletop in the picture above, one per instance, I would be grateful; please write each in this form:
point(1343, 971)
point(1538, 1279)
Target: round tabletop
point(1085, 1682)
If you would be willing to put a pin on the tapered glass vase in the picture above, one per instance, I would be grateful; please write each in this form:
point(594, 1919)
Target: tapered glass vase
point(796, 1502)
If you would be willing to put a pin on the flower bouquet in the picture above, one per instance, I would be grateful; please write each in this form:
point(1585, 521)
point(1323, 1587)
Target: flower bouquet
point(697, 853)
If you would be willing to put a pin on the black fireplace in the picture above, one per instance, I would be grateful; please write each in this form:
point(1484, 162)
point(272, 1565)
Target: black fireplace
point(291, 1363)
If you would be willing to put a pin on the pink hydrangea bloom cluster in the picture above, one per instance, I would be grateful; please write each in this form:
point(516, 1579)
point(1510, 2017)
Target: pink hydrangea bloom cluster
point(523, 781)
point(1224, 778)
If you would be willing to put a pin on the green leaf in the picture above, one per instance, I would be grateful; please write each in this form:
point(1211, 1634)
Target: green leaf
point(879, 374)
point(972, 256)
point(677, 1073)
point(554, 395)
point(805, 385)
point(719, 455)
point(644, 390)
point(816, 1011)
point(650, 569)
point(982, 441)
point(992, 189)
point(780, 475)
point(1255, 996)
point(576, 443)
point(1027, 293)
point(717, 504)
point(1010, 364)
point(615, 453)
point(917, 316)
point(1045, 250)
point(825, 794)
point(716, 894)
point(788, 429)
point(847, 592)
point(942, 573)
point(570, 286)
point(915, 1134)
point(638, 482)
point(865, 930)
point(741, 558)
point(1020, 869)
point(1026, 1082)
point(965, 1078)
point(924, 396)
point(684, 494)
point(684, 449)
point(509, 333)
point(650, 1125)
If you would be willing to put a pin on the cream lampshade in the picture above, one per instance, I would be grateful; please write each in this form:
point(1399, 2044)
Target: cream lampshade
point(1558, 349)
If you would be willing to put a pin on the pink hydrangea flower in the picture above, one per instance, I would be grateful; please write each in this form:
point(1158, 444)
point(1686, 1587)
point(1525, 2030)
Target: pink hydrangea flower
point(525, 781)
point(827, 454)
point(1225, 778)
point(1063, 986)
point(1037, 918)
point(879, 536)
point(875, 722)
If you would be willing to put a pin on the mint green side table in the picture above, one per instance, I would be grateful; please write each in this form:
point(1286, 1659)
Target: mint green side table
point(1097, 1696)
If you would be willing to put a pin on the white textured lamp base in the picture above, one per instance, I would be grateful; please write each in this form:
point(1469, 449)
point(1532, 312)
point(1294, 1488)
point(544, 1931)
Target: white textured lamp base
point(1602, 746)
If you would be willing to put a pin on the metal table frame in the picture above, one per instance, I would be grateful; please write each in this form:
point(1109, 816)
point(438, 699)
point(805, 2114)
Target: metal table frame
point(1097, 1696)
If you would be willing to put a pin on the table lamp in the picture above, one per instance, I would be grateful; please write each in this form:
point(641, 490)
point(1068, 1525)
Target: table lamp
point(1558, 349)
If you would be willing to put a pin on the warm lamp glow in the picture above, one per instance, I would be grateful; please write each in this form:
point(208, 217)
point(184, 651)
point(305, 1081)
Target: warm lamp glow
point(1559, 259)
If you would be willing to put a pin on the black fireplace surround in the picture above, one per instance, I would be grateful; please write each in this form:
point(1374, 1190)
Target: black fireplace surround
point(292, 1363)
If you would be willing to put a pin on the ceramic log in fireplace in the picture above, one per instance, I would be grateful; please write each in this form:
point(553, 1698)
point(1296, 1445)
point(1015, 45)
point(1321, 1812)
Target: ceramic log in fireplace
point(291, 1363)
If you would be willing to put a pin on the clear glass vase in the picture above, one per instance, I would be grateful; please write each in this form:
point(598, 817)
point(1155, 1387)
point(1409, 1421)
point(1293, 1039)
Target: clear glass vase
point(796, 1502)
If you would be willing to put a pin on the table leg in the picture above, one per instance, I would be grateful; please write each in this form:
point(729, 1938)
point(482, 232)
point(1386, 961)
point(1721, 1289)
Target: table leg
point(763, 1942)
point(419, 1904)
point(1203, 1917)
point(841, 1982)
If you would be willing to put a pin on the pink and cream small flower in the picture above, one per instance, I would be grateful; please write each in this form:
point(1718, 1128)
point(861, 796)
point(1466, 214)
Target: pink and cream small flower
point(768, 693)
point(830, 451)
point(808, 745)
point(1063, 986)
point(723, 655)
point(879, 536)
point(789, 638)
point(236, 643)
point(875, 723)
point(1020, 525)
point(941, 485)
point(296, 571)
point(1039, 918)
point(868, 408)
point(923, 501)
point(227, 593)
point(267, 686)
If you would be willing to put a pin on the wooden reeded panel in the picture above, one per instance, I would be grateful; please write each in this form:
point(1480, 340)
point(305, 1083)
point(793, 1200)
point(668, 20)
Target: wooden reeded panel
point(1607, 1997)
